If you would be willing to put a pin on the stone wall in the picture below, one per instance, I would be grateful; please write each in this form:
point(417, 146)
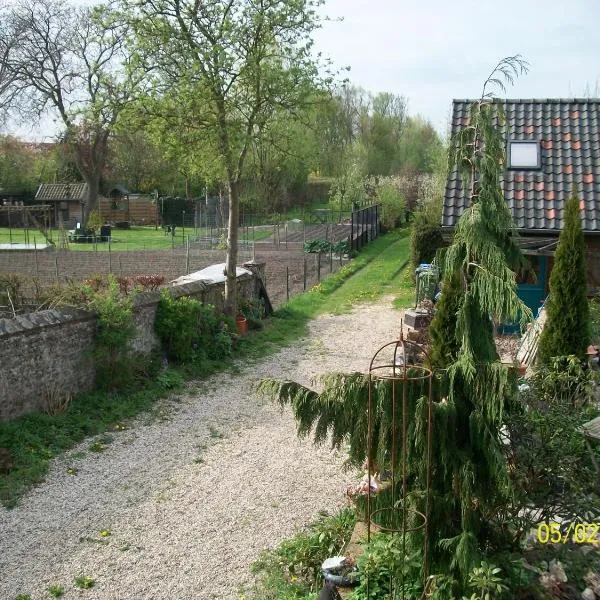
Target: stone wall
point(48, 354)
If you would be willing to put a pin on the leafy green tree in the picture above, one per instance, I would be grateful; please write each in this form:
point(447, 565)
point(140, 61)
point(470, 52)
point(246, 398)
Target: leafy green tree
point(382, 132)
point(243, 61)
point(420, 148)
point(567, 329)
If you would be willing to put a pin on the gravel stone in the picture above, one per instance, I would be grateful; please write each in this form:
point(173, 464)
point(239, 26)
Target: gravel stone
point(192, 491)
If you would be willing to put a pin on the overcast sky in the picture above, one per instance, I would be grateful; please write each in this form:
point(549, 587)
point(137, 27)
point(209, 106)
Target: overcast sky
point(432, 51)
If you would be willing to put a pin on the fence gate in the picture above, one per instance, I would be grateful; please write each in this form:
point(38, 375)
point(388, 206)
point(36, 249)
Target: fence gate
point(365, 226)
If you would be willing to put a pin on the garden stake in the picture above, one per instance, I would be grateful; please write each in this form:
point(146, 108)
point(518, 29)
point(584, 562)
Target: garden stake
point(35, 257)
point(318, 267)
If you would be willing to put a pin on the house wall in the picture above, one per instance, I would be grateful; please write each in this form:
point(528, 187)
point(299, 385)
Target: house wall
point(592, 264)
point(50, 352)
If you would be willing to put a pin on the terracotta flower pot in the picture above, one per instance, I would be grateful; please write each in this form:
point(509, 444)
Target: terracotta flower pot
point(241, 325)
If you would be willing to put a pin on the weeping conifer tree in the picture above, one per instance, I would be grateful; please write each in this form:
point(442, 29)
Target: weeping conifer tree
point(478, 272)
point(567, 327)
point(469, 483)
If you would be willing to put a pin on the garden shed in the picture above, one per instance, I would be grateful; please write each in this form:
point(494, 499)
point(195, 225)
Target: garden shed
point(68, 200)
point(552, 145)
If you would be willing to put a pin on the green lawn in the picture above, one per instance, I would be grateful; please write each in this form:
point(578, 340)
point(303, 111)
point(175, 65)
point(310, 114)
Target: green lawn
point(136, 238)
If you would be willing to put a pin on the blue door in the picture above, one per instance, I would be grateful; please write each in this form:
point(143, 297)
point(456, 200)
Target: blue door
point(532, 290)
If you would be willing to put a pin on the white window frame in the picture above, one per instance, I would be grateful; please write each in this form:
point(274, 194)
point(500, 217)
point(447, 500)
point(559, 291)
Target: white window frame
point(528, 166)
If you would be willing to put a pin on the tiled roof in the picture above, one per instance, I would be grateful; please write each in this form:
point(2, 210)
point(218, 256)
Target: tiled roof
point(569, 133)
point(58, 192)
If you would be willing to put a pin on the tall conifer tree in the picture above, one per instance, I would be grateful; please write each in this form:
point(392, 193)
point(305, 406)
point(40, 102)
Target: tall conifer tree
point(567, 326)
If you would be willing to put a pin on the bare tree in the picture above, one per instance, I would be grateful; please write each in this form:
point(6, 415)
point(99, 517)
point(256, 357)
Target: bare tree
point(9, 38)
point(70, 62)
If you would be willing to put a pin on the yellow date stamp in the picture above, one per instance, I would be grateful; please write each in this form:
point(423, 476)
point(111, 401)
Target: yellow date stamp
point(562, 533)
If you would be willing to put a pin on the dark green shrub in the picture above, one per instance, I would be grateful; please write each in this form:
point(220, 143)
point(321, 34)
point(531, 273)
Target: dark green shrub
point(191, 331)
point(425, 240)
point(567, 329)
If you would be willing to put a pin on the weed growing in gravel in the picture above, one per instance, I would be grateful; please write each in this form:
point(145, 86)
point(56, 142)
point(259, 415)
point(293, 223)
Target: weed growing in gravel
point(215, 433)
point(100, 444)
point(23, 597)
point(56, 591)
point(84, 582)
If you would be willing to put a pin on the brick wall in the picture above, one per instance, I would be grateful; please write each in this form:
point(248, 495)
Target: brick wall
point(50, 351)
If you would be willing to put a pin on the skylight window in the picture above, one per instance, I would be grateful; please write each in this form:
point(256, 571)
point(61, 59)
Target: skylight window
point(524, 155)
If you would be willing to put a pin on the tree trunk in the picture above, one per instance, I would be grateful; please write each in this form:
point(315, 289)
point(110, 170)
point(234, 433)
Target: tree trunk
point(232, 250)
point(91, 202)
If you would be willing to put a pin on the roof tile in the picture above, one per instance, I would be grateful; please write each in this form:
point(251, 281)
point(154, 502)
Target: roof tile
point(569, 132)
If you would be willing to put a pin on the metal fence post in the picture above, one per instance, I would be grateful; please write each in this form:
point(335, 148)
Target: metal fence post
point(35, 257)
point(109, 257)
point(318, 267)
point(187, 255)
point(287, 283)
point(304, 286)
point(331, 260)
point(55, 265)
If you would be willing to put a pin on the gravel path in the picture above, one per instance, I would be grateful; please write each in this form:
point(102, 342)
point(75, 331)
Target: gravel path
point(192, 492)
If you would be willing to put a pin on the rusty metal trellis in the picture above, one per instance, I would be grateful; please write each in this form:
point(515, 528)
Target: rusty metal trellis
point(402, 364)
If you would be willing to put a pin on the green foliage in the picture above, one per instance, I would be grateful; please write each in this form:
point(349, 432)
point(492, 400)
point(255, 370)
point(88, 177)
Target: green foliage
point(294, 567)
point(114, 333)
point(84, 582)
point(384, 566)
point(348, 188)
point(567, 325)
point(486, 583)
point(470, 481)
point(425, 240)
point(191, 331)
point(553, 469)
point(95, 222)
point(393, 206)
point(56, 591)
point(325, 246)
point(565, 380)
point(594, 305)
point(442, 330)
point(337, 414)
